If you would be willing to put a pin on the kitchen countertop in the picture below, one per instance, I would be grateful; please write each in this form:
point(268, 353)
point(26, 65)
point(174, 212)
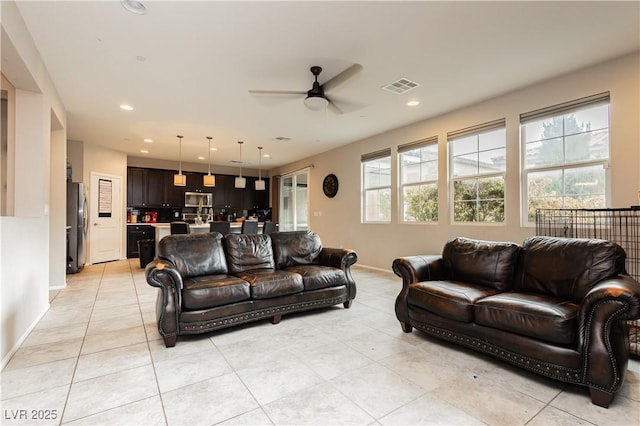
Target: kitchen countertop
point(191, 225)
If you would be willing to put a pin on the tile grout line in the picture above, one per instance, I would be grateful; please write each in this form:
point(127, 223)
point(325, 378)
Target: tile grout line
point(146, 334)
point(66, 401)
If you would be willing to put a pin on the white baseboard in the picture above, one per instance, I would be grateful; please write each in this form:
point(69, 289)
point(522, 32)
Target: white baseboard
point(22, 338)
point(373, 267)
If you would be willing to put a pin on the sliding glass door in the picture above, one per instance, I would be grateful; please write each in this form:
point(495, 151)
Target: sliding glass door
point(294, 202)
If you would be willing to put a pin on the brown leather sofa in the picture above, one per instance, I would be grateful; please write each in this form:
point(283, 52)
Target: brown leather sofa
point(208, 282)
point(554, 306)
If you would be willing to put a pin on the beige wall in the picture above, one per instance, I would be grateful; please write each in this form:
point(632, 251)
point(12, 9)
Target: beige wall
point(378, 244)
point(28, 265)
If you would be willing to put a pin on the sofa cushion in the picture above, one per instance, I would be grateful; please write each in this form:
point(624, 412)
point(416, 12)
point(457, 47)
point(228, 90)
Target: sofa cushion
point(315, 277)
point(194, 254)
point(246, 252)
point(541, 317)
point(449, 299)
point(567, 268)
point(266, 283)
point(295, 248)
point(208, 291)
point(485, 263)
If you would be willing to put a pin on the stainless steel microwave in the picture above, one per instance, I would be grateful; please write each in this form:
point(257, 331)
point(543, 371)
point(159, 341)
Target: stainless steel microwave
point(198, 199)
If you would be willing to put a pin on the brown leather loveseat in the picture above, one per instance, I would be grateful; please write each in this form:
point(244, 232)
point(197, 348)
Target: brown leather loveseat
point(208, 282)
point(554, 306)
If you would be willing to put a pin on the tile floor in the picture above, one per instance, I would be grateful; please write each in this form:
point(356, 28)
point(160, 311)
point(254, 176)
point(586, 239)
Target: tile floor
point(96, 358)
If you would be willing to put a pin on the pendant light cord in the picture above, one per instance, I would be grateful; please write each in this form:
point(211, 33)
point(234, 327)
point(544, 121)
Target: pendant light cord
point(209, 137)
point(240, 143)
point(180, 155)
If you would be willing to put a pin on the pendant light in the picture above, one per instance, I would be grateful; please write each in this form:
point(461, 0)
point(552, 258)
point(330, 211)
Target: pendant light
point(209, 180)
point(240, 181)
point(260, 185)
point(180, 179)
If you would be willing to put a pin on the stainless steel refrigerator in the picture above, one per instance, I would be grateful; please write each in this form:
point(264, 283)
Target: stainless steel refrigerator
point(76, 226)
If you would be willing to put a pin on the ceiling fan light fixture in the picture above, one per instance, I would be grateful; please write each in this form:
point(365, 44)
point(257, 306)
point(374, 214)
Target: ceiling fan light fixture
point(316, 103)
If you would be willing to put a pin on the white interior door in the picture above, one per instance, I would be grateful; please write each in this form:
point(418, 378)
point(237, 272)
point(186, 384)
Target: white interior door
point(105, 212)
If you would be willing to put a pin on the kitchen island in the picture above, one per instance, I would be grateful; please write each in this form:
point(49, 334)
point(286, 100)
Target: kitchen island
point(164, 229)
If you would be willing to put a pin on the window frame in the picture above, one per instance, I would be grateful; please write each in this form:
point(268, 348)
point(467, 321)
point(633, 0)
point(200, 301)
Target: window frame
point(364, 190)
point(477, 131)
point(404, 149)
point(560, 110)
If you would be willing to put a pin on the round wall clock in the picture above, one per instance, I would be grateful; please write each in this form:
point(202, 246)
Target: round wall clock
point(330, 185)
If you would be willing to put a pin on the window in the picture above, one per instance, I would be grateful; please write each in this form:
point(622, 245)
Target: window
point(565, 152)
point(376, 186)
point(419, 180)
point(478, 167)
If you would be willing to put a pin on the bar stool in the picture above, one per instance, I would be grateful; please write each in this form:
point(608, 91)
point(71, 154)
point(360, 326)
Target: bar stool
point(179, 228)
point(222, 227)
point(269, 227)
point(249, 227)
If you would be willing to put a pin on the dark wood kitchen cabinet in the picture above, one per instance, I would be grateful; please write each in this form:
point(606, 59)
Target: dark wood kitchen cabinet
point(262, 197)
point(153, 188)
point(156, 187)
point(224, 193)
point(162, 191)
point(136, 187)
point(195, 182)
point(136, 233)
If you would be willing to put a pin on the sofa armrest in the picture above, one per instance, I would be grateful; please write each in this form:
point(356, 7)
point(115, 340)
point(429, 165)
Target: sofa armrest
point(342, 259)
point(337, 258)
point(603, 338)
point(163, 274)
point(413, 269)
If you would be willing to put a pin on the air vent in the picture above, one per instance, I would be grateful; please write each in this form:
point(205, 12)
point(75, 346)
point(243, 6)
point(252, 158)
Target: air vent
point(282, 139)
point(401, 86)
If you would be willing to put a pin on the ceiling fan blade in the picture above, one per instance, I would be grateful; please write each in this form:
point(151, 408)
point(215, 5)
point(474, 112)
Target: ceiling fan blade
point(277, 92)
point(345, 75)
point(333, 107)
point(345, 105)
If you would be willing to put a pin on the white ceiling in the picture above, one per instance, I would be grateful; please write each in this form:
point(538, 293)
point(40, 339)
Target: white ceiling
point(187, 67)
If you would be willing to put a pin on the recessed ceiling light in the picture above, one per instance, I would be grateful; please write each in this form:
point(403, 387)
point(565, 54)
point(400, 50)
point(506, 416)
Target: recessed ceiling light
point(134, 6)
point(126, 107)
point(144, 151)
point(200, 158)
point(147, 140)
point(413, 103)
point(213, 148)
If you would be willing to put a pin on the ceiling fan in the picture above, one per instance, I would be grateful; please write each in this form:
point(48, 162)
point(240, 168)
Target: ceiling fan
point(317, 99)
